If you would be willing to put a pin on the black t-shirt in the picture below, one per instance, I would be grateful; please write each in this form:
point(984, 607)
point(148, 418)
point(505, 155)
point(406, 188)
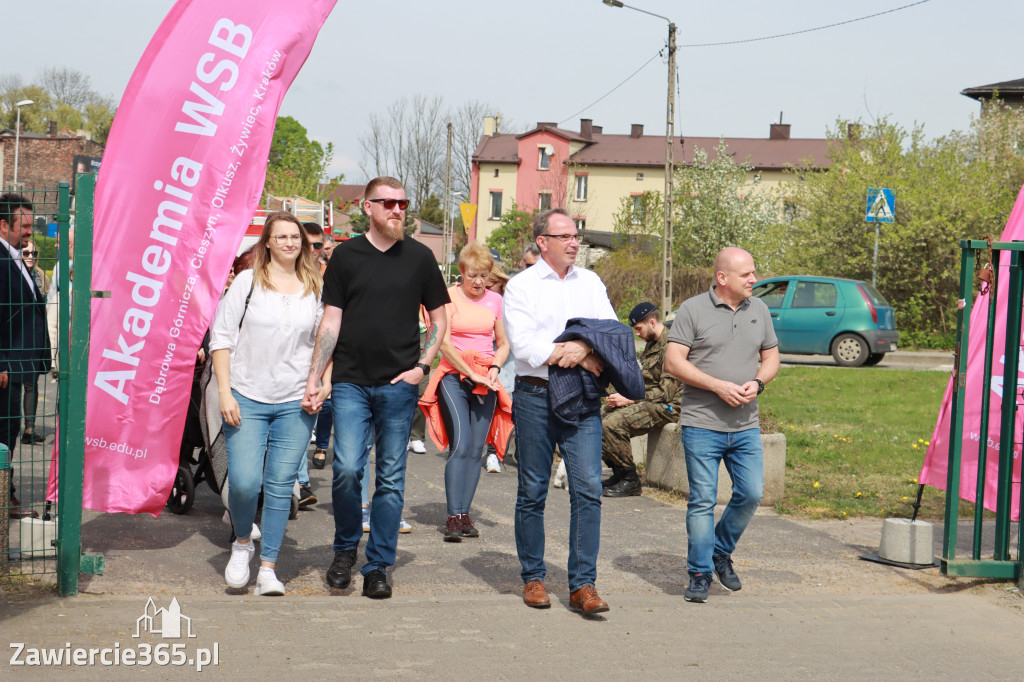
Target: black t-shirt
point(379, 294)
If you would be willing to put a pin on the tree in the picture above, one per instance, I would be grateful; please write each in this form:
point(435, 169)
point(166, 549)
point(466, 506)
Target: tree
point(716, 206)
point(512, 235)
point(640, 221)
point(296, 165)
point(432, 211)
point(62, 96)
point(67, 86)
point(962, 185)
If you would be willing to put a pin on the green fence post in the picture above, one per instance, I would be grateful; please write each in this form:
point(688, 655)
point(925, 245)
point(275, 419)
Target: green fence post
point(979, 495)
point(956, 421)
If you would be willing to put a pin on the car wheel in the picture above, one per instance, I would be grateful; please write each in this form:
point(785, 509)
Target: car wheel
point(874, 359)
point(850, 350)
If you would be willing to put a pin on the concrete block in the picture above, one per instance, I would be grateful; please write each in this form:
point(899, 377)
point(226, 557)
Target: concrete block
point(666, 465)
point(906, 541)
point(639, 445)
point(36, 538)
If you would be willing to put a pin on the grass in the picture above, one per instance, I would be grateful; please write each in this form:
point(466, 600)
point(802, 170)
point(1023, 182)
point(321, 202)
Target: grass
point(855, 440)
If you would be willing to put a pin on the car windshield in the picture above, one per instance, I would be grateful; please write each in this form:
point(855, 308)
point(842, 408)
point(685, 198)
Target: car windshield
point(873, 294)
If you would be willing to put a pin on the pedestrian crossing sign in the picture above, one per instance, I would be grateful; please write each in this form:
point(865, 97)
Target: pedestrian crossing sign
point(881, 206)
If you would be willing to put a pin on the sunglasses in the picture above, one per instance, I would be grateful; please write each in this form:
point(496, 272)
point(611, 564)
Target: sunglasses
point(28, 252)
point(389, 204)
point(317, 245)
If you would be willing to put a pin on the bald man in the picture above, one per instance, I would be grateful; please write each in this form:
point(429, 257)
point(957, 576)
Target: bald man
point(723, 348)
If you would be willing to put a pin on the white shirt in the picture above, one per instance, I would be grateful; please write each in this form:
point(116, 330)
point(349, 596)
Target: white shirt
point(16, 255)
point(537, 305)
point(272, 352)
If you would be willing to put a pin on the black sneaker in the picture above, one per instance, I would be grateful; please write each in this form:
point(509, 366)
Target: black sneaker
point(339, 575)
point(375, 585)
point(306, 496)
point(628, 486)
point(700, 584)
point(468, 529)
point(726, 576)
point(453, 529)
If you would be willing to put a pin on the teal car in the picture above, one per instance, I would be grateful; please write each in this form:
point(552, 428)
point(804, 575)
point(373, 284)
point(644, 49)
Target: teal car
point(844, 318)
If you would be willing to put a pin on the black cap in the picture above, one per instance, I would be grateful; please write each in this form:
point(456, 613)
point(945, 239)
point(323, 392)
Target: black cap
point(640, 312)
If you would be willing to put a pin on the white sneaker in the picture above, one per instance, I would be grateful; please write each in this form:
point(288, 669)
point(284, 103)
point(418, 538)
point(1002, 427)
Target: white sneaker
point(236, 573)
point(255, 535)
point(403, 526)
point(418, 447)
point(493, 467)
point(267, 584)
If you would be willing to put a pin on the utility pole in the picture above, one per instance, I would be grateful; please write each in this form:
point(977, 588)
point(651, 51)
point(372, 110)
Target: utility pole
point(667, 237)
point(447, 237)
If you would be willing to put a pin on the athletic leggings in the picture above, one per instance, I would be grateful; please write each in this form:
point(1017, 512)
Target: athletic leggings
point(467, 419)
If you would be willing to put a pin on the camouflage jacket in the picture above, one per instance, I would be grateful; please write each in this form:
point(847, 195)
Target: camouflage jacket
point(659, 385)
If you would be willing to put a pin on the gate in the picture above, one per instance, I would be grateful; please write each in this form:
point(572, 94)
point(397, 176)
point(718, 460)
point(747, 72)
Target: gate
point(40, 527)
point(1001, 564)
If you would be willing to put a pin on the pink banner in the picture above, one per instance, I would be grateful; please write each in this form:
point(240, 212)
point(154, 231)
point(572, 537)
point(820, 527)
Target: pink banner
point(182, 174)
point(936, 461)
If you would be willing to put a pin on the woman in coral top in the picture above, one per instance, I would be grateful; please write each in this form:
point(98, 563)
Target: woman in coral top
point(474, 349)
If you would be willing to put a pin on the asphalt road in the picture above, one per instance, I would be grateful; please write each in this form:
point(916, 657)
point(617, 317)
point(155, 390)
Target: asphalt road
point(933, 361)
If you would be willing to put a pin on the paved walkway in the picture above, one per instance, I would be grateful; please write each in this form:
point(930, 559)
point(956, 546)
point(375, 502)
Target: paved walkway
point(809, 608)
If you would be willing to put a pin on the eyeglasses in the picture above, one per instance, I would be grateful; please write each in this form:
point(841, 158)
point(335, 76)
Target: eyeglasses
point(287, 238)
point(28, 252)
point(389, 204)
point(317, 245)
point(564, 238)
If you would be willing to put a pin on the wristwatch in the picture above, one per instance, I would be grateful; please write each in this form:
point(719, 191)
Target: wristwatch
point(760, 386)
point(426, 368)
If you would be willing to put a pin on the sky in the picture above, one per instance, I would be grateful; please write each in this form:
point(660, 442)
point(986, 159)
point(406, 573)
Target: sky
point(546, 60)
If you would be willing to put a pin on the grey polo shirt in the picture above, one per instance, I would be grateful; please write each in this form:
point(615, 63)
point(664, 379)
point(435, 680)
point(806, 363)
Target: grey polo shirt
point(726, 344)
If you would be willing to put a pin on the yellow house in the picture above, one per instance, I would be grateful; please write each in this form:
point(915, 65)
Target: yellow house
point(589, 172)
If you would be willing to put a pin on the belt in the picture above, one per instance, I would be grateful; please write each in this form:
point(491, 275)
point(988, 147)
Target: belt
point(535, 381)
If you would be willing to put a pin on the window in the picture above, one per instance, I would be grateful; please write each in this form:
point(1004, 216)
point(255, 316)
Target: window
point(544, 201)
point(639, 176)
point(495, 172)
point(495, 206)
point(772, 293)
point(581, 224)
point(638, 209)
point(581, 188)
point(544, 161)
point(814, 295)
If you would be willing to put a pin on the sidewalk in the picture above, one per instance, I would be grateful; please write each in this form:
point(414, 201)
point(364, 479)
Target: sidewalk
point(809, 607)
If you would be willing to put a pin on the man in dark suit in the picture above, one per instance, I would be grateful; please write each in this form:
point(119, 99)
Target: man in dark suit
point(24, 342)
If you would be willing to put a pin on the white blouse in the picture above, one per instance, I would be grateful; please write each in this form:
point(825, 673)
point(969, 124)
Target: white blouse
point(272, 352)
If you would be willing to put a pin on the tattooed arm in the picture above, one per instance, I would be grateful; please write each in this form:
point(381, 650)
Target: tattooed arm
point(435, 332)
point(326, 340)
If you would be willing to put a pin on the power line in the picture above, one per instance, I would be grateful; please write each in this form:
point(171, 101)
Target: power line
point(740, 42)
point(806, 30)
point(630, 77)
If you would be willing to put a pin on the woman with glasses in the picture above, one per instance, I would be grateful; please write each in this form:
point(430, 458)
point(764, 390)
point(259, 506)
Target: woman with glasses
point(262, 345)
point(30, 395)
point(465, 387)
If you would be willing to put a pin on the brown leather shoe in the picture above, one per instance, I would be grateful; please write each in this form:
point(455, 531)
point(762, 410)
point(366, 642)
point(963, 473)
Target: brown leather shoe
point(535, 595)
point(586, 600)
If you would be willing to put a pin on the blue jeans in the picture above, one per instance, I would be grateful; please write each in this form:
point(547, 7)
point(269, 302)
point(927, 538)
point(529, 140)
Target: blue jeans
point(264, 450)
point(324, 422)
point(467, 419)
point(359, 412)
point(538, 431)
point(744, 460)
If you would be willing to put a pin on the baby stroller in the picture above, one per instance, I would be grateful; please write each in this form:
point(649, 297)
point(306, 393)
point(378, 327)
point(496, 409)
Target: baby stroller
point(199, 459)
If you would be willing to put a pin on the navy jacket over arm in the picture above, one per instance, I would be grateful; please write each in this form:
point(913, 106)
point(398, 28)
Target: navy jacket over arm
point(574, 391)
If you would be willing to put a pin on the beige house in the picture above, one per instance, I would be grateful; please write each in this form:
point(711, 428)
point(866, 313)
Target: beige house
point(590, 172)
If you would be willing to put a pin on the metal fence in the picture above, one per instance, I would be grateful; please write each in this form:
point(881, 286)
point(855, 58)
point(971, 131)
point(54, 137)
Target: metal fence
point(41, 492)
point(1003, 563)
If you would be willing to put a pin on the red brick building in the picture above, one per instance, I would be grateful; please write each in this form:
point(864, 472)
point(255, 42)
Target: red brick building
point(45, 160)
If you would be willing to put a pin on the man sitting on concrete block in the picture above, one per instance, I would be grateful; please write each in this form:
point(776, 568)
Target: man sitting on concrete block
point(623, 419)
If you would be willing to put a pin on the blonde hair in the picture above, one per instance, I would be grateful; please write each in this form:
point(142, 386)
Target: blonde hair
point(497, 276)
point(306, 268)
point(475, 257)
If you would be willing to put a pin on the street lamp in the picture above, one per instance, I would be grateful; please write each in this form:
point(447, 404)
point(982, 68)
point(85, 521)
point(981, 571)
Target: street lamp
point(17, 137)
point(666, 240)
